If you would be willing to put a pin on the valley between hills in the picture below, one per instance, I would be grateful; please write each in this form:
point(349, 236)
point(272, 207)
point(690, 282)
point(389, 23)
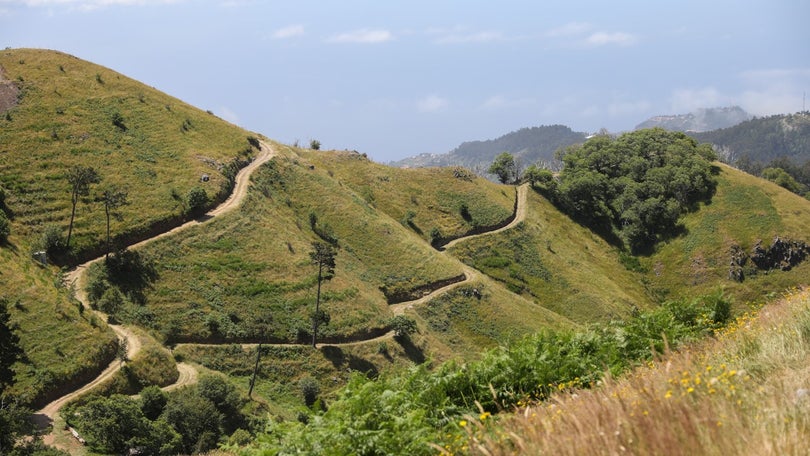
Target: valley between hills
point(184, 314)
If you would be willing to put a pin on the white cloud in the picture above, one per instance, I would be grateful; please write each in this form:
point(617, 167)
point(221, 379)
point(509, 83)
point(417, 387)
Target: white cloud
point(604, 38)
point(687, 100)
point(570, 29)
point(363, 36)
point(432, 103)
point(473, 37)
point(291, 31)
point(501, 102)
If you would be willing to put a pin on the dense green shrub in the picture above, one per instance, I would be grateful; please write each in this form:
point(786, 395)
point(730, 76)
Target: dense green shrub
point(197, 200)
point(636, 186)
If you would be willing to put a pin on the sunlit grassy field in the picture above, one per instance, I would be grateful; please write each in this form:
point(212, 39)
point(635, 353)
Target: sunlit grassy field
point(65, 117)
point(564, 267)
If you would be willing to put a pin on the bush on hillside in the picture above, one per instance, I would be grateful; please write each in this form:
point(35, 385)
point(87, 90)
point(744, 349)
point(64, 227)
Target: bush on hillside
point(196, 201)
point(634, 188)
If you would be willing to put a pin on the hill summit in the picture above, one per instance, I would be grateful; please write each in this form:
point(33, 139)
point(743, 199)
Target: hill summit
point(704, 119)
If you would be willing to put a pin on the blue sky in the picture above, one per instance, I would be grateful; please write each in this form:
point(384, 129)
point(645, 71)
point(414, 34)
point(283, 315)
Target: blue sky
point(399, 78)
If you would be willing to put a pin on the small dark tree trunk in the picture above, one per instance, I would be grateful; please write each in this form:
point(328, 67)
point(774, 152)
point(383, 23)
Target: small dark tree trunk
point(107, 212)
point(74, 199)
point(255, 370)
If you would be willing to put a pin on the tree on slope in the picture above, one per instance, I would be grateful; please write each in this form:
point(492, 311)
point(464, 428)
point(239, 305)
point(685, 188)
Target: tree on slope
point(112, 197)
point(322, 255)
point(636, 186)
point(505, 167)
point(80, 178)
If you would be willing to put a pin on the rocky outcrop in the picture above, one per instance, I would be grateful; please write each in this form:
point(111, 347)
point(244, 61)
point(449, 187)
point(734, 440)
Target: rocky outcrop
point(782, 254)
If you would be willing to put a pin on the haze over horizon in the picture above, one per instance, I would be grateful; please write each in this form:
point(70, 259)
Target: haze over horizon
point(399, 79)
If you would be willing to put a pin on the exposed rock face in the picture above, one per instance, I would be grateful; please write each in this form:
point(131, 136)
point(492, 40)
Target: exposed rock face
point(783, 254)
point(739, 258)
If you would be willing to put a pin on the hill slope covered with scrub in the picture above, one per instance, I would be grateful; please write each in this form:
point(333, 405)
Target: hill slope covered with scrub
point(446, 291)
point(67, 113)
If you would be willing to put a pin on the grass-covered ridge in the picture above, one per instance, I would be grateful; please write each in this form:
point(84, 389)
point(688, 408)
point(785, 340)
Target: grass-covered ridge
point(72, 112)
point(248, 276)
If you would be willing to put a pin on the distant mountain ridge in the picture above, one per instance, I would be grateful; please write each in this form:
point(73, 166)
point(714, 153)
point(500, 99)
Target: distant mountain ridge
point(704, 119)
point(763, 139)
point(529, 145)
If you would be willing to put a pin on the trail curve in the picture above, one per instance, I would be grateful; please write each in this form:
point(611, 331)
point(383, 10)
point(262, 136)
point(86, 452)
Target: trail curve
point(76, 278)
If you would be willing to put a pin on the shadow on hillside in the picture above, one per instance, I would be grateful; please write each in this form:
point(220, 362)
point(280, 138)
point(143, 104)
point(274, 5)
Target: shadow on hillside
point(413, 352)
point(341, 360)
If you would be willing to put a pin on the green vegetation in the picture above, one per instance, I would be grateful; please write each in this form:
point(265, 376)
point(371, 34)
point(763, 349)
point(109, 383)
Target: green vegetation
point(434, 196)
point(322, 255)
point(192, 420)
point(636, 186)
point(405, 413)
point(64, 119)
point(741, 392)
point(505, 168)
point(555, 304)
point(764, 139)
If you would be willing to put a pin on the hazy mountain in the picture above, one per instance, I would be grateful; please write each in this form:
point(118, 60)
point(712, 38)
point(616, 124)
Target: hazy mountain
point(763, 139)
point(529, 145)
point(700, 120)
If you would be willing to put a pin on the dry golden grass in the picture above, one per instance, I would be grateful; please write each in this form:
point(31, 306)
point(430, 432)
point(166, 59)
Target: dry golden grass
point(743, 392)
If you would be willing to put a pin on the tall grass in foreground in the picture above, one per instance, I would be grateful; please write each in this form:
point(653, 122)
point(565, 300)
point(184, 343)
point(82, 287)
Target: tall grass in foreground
point(747, 391)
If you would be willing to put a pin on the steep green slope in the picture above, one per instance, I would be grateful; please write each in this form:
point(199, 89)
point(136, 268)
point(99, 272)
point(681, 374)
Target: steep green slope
point(72, 112)
point(453, 200)
point(563, 266)
point(248, 276)
point(744, 210)
point(64, 113)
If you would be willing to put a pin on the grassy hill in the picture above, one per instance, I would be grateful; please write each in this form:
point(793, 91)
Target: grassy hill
point(62, 115)
point(213, 291)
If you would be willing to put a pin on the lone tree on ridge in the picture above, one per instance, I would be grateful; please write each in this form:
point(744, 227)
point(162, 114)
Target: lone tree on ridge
point(505, 167)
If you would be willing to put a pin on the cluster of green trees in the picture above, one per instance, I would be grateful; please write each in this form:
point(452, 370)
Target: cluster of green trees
point(632, 189)
point(406, 413)
point(190, 421)
point(782, 171)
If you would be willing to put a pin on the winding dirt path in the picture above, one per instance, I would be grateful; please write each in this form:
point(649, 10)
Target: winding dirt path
point(470, 275)
point(188, 374)
point(77, 279)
